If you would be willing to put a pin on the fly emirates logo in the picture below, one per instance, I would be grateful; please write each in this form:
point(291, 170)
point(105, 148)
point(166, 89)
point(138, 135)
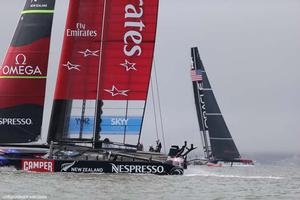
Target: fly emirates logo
point(134, 27)
point(21, 68)
point(81, 30)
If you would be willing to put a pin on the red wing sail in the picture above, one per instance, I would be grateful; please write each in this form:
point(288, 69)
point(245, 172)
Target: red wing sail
point(107, 57)
point(127, 46)
point(23, 74)
point(129, 38)
point(79, 64)
point(78, 69)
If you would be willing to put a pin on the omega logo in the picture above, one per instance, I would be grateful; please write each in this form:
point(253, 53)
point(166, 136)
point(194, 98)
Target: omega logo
point(21, 57)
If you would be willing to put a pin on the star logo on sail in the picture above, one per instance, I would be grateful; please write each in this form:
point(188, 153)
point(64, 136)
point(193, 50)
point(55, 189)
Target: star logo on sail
point(114, 91)
point(129, 66)
point(71, 66)
point(88, 52)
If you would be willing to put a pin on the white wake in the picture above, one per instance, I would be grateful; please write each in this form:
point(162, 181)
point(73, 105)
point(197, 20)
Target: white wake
point(203, 171)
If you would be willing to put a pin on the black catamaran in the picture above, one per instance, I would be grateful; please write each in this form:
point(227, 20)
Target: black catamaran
point(101, 92)
point(217, 141)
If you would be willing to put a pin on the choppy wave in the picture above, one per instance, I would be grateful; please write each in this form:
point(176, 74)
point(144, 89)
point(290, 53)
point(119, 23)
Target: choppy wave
point(7, 169)
point(260, 182)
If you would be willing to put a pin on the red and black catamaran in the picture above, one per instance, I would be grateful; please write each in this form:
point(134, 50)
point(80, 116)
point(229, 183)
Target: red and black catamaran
point(100, 94)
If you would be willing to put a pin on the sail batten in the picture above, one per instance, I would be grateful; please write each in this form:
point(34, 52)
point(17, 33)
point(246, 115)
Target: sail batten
point(212, 138)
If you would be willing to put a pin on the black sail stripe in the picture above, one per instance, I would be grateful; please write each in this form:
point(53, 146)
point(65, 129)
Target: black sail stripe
point(34, 25)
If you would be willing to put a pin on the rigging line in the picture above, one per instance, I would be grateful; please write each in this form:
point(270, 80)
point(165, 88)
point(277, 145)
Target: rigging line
point(82, 121)
point(96, 120)
point(159, 106)
point(154, 108)
point(125, 128)
point(158, 96)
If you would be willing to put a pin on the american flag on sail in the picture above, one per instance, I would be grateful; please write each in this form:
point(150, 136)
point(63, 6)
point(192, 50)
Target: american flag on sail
point(196, 75)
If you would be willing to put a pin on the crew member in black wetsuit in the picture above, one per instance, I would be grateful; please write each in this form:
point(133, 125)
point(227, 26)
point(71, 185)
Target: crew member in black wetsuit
point(158, 146)
point(140, 147)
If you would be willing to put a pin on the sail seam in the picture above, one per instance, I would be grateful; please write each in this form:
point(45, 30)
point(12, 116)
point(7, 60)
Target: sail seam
point(99, 74)
point(214, 114)
point(212, 138)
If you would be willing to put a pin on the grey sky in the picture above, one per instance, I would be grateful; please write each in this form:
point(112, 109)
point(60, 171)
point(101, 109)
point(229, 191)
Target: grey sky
point(250, 49)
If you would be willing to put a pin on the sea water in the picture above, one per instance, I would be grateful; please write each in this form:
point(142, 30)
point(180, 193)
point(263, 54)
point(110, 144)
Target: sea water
point(263, 181)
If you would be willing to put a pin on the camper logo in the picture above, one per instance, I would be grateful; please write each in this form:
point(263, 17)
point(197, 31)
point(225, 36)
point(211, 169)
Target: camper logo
point(21, 68)
point(38, 165)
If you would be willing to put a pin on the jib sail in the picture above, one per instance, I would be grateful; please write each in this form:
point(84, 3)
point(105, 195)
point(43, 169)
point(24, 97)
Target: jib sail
point(23, 74)
point(217, 140)
point(105, 70)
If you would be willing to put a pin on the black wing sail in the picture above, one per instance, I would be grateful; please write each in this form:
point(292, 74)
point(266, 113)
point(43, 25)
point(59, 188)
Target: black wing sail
point(220, 145)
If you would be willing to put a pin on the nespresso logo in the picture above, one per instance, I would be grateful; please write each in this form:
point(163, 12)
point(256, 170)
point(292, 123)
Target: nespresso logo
point(150, 169)
point(16, 121)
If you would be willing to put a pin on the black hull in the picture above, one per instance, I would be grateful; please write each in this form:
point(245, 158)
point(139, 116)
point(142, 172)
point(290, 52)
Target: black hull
point(82, 159)
point(94, 166)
